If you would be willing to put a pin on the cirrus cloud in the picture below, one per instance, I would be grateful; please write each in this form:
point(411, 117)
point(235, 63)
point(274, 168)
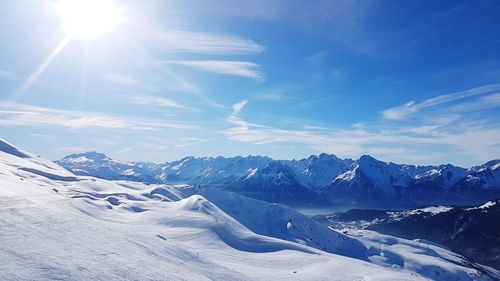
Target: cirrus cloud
point(403, 111)
point(19, 114)
point(202, 43)
point(234, 68)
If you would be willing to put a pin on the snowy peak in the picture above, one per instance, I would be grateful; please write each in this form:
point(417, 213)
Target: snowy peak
point(19, 163)
point(490, 165)
point(209, 170)
point(275, 170)
point(99, 165)
point(91, 156)
point(369, 160)
point(8, 148)
point(486, 176)
point(365, 179)
point(372, 172)
point(275, 175)
point(316, 172)
point(444, 175)
point(374, 169)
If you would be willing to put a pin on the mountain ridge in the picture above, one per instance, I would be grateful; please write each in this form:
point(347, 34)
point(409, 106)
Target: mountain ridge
point(323, 177)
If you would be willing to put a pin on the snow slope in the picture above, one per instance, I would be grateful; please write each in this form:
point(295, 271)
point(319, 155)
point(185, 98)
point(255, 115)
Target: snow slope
point(55, 225)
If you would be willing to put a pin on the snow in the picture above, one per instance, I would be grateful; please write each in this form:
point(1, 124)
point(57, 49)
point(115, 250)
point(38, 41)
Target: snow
point(317, 172)
point(487, 175)
point(251, 173)
point(347, 176)
point(275, 174)
point(130, 172)
point(430, 173)
point(447, 174)
point(380, 173)
point(182, 163)
point(426, 212)
point(428, 259)
point(79, 160)
point(55, 225)
point(496, 166)
point(432, 210)
point(486, 205)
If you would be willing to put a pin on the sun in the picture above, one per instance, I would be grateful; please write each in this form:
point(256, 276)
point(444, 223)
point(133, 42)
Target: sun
point(89, 18)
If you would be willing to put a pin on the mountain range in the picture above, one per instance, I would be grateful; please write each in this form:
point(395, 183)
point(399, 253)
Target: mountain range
point(60, 226)
point(319, 179)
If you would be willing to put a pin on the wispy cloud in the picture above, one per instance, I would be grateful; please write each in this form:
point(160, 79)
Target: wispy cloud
point(121, 79)
point(237, 107)
point(105, 140)
point(190, 142)
point(203, 43)
point(315, 101)
point(484, 102)
point(123, 150)
point(69, 149)
point(4, 74)
point(347, 22)
point(18, 114)
point(403, 111)
point(277, 94)
point(343, 143)
point(153, 101)
point(475, 137)
point(154, 146)
point(234, 68)
point(271, 97)
point(43, 136)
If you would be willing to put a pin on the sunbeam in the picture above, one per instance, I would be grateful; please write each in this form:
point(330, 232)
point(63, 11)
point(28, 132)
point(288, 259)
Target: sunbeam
point(80, 18)
point(43, 66)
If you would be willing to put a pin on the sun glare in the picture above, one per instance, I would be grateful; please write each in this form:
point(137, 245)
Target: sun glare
point(89, 18)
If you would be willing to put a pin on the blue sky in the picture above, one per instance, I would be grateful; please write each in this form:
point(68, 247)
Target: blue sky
point(405, 81)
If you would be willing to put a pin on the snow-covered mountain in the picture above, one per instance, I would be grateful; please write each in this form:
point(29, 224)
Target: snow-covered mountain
point(57, 225)
point(276, 181)
point(317, 172)
point(363, 181)
point(368, 179)
point(472, 231)
point(209, 170)
point(480, 183)
point(437, 183)
point(99, 165)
